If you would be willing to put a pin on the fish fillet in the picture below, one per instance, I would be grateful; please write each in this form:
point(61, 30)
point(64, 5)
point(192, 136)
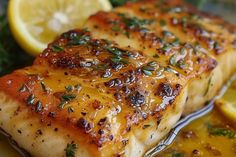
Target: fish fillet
point(117, 86)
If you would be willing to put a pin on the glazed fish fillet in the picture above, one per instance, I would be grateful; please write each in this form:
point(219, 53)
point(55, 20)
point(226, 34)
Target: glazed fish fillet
point(117, 87)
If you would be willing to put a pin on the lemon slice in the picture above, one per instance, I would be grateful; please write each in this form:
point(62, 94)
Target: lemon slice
point(34, 23)
point(227, 104)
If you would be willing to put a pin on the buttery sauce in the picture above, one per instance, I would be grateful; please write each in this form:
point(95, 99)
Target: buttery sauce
point(196, 141)
point(209, 136)
point(5, 148)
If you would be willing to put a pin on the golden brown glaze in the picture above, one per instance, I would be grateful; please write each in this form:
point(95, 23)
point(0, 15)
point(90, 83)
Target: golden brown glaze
point(118, 86)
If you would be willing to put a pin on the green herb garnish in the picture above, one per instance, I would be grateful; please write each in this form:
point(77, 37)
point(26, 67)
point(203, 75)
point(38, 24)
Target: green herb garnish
point(162, 23)
point(126, 33)
point(57, 48)
point(65, 99)
point(38, 106)
point(68, 97)
point(173, 60)
point(80, 40)
point(115, 28)
point(70, 150)
point(30, 99)
point(152, 63)
point(115, 51)
point(220, 131)
point(69, 88)
point(177, 155)
point(166, 48)
point(176, 42)
point(134, 22)
point(147, 70)
point(181, 64)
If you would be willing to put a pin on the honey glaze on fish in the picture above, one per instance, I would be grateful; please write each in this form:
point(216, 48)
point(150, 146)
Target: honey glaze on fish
point(117, 87)
point(205, 137)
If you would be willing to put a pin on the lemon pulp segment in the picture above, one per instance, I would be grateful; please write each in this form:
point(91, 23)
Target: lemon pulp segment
point(35, 23)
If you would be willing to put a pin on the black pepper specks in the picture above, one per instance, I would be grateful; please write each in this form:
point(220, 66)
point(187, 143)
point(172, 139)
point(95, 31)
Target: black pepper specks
point(114, 83)
point(165, 89)
point(136, 99)
point(102, 121)
point(106, 74)
point(84, 124)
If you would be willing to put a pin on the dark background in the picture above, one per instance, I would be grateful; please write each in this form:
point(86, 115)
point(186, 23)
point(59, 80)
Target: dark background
point(13, 57)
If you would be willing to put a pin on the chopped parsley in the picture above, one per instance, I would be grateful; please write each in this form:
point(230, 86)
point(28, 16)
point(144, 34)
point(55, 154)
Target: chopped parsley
point(117, 55)
point(177, 155)
point(70, 150)
point(116, 3)
point(69, 88)
point(173, 60)
point(176, 42)
point(152, 63)
point(147, 70)
point(220, 131)
point(30, 100)
point(65, 99)
point(43, 86)
point(115, 28)
point(57, 48)
point(134, 22)
point(68, 97)
point(38, 106)
point(79, 40)
point(115, 51)
point(162, 23)
point(166, 48)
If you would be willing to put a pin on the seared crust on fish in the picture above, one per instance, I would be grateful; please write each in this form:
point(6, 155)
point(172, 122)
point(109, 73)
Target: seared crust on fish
point(117, 87)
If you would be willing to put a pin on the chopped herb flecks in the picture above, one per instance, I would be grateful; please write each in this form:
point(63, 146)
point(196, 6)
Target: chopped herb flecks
point(162, 23)
point(177, 155)
point(57, 48)
point(31, 99)
point(38, 106)
point(68, 97)
point(220, 131)
point(65, 99)
point(115, 28)
point(69, 88)
point(70, 150)
point(166, 48)
point(134, 22)
point(79, 40)
point(173, 60)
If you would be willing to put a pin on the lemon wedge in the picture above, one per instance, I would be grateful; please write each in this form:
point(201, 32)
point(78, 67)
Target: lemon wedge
point(227, 103)
point(34, 23)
